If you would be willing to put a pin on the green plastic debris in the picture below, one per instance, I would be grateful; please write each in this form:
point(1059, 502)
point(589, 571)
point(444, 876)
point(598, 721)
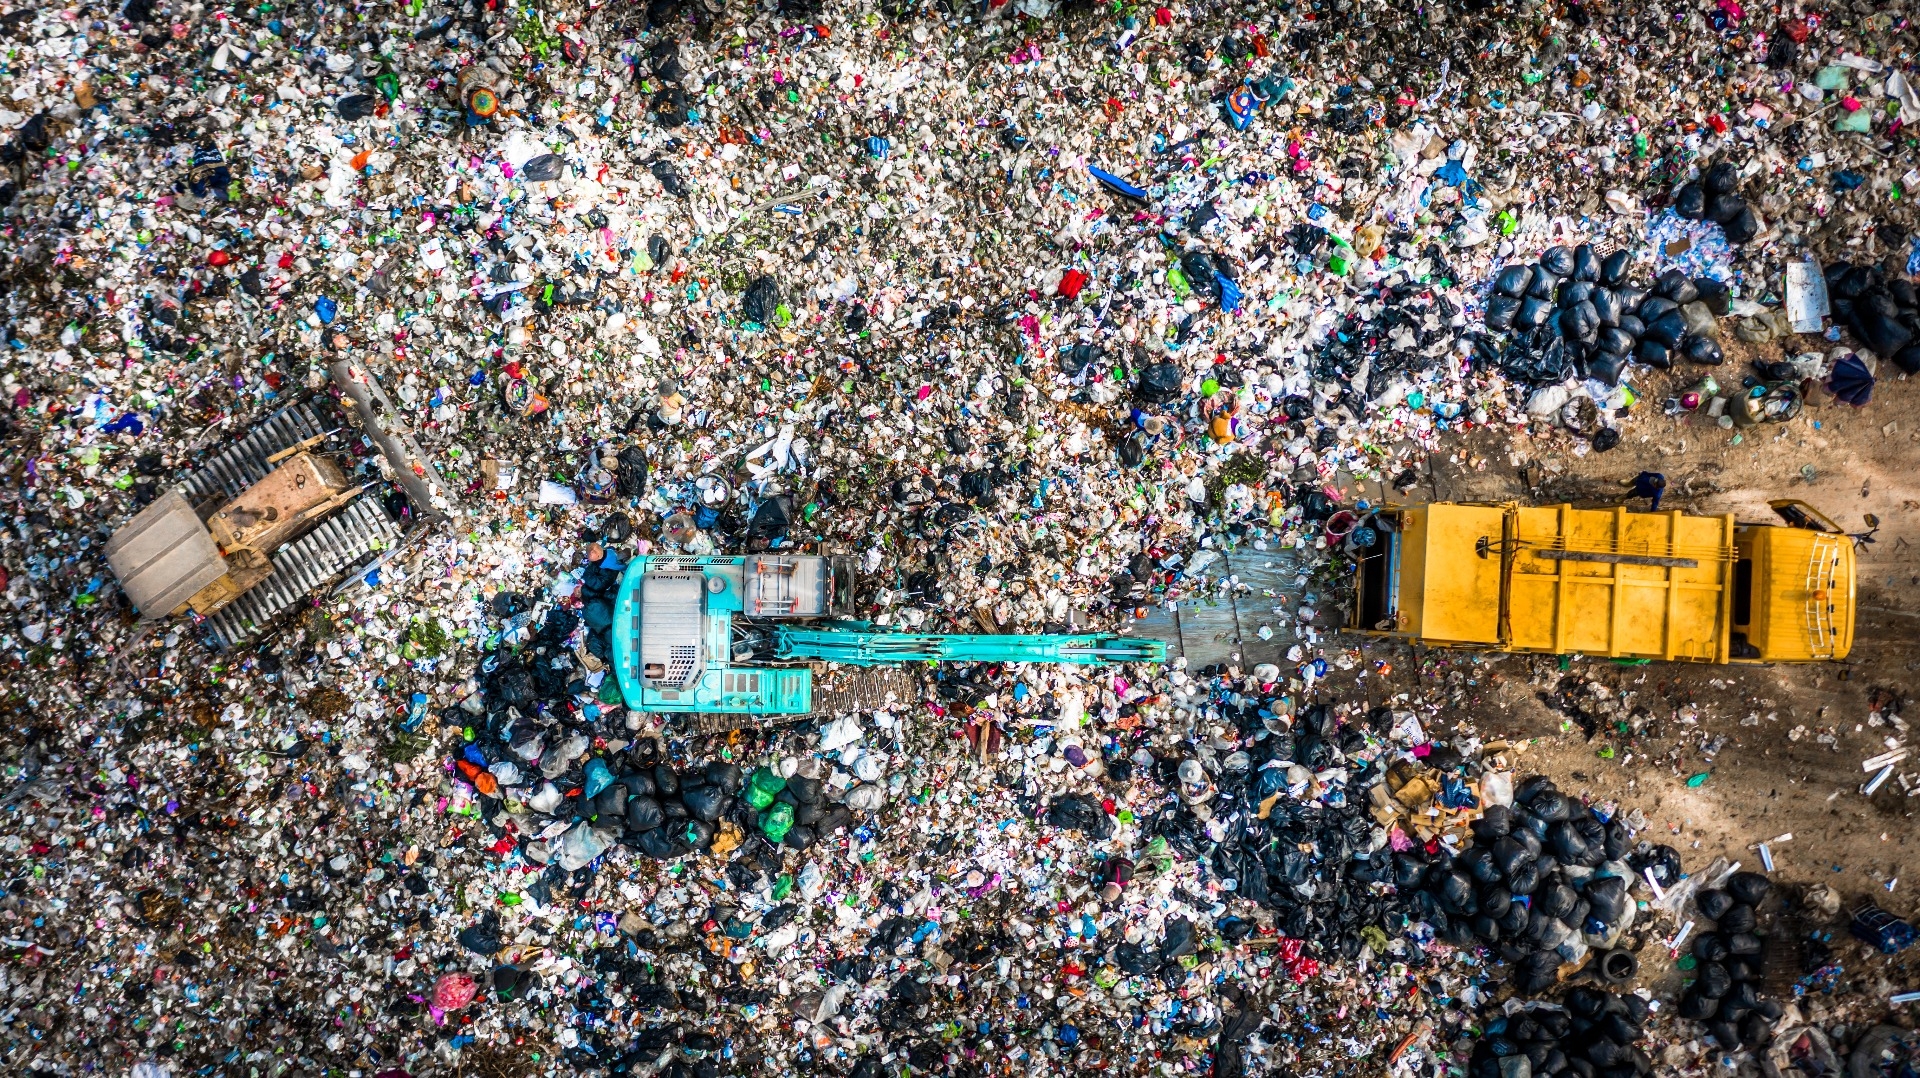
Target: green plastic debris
point(763, 787)
point(1697, 780)
point(782, 887)
point(1831, 77)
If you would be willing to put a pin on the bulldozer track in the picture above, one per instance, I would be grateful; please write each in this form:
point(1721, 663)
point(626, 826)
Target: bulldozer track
point(244, 463)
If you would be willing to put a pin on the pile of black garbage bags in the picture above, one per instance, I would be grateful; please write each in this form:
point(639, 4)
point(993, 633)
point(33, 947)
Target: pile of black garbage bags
point(1730, 963)
point(1596, 1035)
point(1544, 881)
point(1716, 197)
point(1573, 312)
point(1884, 314)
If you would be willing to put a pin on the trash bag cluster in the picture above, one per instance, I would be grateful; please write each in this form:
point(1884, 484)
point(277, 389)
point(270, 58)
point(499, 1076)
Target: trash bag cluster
point(1574, 312)
point(1883, 312)
point(1715, 197)
point(1544, 883)
point(1591, 1034)
point(1730, 964)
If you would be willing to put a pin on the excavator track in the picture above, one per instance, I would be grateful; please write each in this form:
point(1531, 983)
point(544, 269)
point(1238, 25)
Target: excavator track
point(244, 463)
point(355, 535)
point(836, 691)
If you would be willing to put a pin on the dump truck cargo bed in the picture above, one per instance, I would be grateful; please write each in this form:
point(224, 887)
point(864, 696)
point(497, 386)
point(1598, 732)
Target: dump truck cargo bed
point(1559, 580)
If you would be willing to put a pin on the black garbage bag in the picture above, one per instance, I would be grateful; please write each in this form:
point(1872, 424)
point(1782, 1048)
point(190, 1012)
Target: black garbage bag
point(1455, 892)
point(1742, 228)
point(1580, 322)
point(1608, 898)
point(1710, 947)
point(1606, 304)
point(1198, 269)
point(1745, 944)
point(770, 520)
point(707, 803)
point(1542, 284)
point(1549, 804)
point(483, 937)
point(1586, 263)
point(1715, 295)
point(1749, 887)
point(1613, 269)
point(1704, 351)
point(1908, 359)
point(1501, 310)
point(1513, 281)
point(1654, 354)
point(1179, 941)
point(1134, 960)
point(1536, 972)
point(1078, 812)
point(545, 167)
point(1408, 871)
point(1494, 823)
point(1713, 903)
point(1876, 318)
point(611, 803)
point(1690, 202)
point(643, 814)
point(1495, 901)
point(1526, 879)
point(1722, 178)
point(1696, 1007)
point(1668, 329)
point(1132, 450)
point(1724, 207)
point(355, 106)
point(1555, 898)
point(1514, 920)
point(1607, 367)
point(1738, 918)
point(669, 178)
point(1662, 860)
point(1533, 312)
point(1558, 261)
point(666, 780)
point(1606, 437)
point(1510, 855)
point(1478, 861)
point(761, 300)
point(1160, 382)
point(1711, 980)
point(1615, 340)
point(1676, 286)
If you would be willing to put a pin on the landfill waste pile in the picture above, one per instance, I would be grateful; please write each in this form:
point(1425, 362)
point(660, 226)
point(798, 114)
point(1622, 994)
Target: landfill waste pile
point(354, 353)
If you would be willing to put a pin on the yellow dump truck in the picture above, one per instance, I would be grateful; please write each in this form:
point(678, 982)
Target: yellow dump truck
point(1558, 580)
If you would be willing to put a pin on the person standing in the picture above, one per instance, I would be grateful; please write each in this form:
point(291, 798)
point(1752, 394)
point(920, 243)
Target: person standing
point(1651, 485)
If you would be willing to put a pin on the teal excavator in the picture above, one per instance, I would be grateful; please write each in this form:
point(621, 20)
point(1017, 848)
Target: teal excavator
point(687, 632)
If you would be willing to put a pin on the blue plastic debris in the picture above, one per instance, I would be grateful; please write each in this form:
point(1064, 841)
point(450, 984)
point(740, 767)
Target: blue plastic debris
point(1116, 184)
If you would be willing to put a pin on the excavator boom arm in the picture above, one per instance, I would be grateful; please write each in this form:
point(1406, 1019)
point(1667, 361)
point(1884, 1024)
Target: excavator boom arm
point(860, 645)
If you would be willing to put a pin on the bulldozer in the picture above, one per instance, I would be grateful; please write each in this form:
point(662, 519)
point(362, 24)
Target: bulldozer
point(264, 522)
